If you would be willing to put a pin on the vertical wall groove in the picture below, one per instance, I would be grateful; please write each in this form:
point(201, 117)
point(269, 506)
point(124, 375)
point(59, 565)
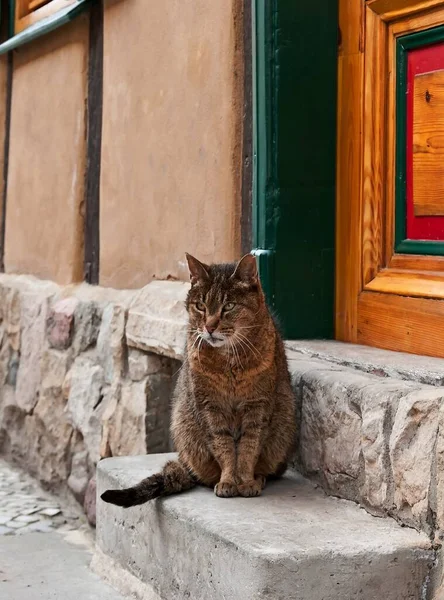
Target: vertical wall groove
point(8, 101)
point(94, 144)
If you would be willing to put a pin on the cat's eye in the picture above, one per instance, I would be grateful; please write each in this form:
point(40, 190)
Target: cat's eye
point(229, 306)
point(200, 306)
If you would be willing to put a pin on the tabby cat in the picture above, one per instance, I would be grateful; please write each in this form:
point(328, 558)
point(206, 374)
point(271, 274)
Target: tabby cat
point(233, 420)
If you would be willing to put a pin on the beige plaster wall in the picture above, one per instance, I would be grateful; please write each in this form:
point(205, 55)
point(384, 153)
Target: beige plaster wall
point(44, 217)
point(171, 137)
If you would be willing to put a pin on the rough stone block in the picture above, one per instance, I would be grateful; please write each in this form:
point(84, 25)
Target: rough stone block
point(141, 364)
point(158, 413)
point(157, 319)
point(290, 543)
point(412, 453)
point(54, 366)
point(111, 398)
point(84, 404)
point(440, 477)
point(89, 504)
point(330, 438)
point(87, 319)
point(12, 310)
point(34, 310)
point(127, 428)
point(47, 439)
point(60, 324)
point(79, 477)
point(12, 368)
point(111, 342)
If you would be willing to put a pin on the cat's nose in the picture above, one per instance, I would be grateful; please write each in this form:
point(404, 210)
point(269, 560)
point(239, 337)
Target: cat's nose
point(211, 328)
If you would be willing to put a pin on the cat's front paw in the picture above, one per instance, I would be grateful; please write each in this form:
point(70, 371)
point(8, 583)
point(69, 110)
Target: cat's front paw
point(252, 488)
point(226, 489)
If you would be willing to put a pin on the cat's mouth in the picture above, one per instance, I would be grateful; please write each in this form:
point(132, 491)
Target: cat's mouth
point(216, 340)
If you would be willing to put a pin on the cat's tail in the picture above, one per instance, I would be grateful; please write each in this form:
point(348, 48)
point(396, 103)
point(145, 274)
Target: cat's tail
point(173, 479)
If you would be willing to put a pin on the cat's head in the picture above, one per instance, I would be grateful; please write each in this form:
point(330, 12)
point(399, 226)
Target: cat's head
point(225, 301)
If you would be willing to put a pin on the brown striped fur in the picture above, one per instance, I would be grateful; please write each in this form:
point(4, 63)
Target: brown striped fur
point(233, 422)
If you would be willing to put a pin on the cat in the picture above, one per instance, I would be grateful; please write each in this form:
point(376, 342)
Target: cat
point(233, 418)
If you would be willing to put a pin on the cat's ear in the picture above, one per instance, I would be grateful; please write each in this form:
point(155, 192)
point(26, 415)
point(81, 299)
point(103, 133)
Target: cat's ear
point(246, 270)
point(198, 271)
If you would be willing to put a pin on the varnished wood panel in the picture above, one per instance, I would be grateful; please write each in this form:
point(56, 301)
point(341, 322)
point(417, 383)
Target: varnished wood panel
point(389, 10)
point(428, 144)
point(408, 283)
point(390, 149)
point(400, 323)
point(419, 22)
point(348, 191)
point(351, 27)
point(417, 262)
point(374, 176)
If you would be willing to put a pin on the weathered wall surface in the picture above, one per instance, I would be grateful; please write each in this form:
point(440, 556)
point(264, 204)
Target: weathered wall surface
point(44, 221)
point(170, 148)
point(72, 390)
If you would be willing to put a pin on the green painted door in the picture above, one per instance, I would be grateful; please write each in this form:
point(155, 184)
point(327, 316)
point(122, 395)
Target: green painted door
point(294, 130)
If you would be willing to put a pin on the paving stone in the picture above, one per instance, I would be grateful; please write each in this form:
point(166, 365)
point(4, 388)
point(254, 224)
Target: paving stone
point(50, 512)
point(26, 519)
point(25, 507)
point(5, 530)
point(15, 525)
point(31, 511)
point(40, 526)
point(5, 519)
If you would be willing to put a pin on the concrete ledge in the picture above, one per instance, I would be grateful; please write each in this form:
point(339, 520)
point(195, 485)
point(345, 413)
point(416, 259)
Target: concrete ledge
point(383, 363)
point(291, 543)
point(121, 579)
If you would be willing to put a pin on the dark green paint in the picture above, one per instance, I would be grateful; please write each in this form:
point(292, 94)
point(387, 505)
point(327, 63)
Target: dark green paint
point(41, 27)
point(264, 163)
point(420, 247)
point(403, 45)
point(294, 121)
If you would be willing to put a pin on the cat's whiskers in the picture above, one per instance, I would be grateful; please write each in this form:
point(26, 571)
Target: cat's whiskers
point(241, 336)
point(238, 360)
point(230, 347)
point(243, 349)
point(243, 340)
point(198, 350)
point(196, 339)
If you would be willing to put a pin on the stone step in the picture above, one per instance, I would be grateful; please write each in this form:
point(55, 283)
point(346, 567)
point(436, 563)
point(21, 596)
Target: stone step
point(384, 363)
point(376, 439)
point(292, 543)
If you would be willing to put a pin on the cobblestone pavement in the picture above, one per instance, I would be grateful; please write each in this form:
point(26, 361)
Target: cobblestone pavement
point(46, 547)
point(25, 507)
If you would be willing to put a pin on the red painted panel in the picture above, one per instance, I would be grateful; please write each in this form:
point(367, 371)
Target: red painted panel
point(422, 60)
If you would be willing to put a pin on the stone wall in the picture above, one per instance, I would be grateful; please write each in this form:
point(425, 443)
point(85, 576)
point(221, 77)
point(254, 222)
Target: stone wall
point(87, 372)
point(74, 389)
